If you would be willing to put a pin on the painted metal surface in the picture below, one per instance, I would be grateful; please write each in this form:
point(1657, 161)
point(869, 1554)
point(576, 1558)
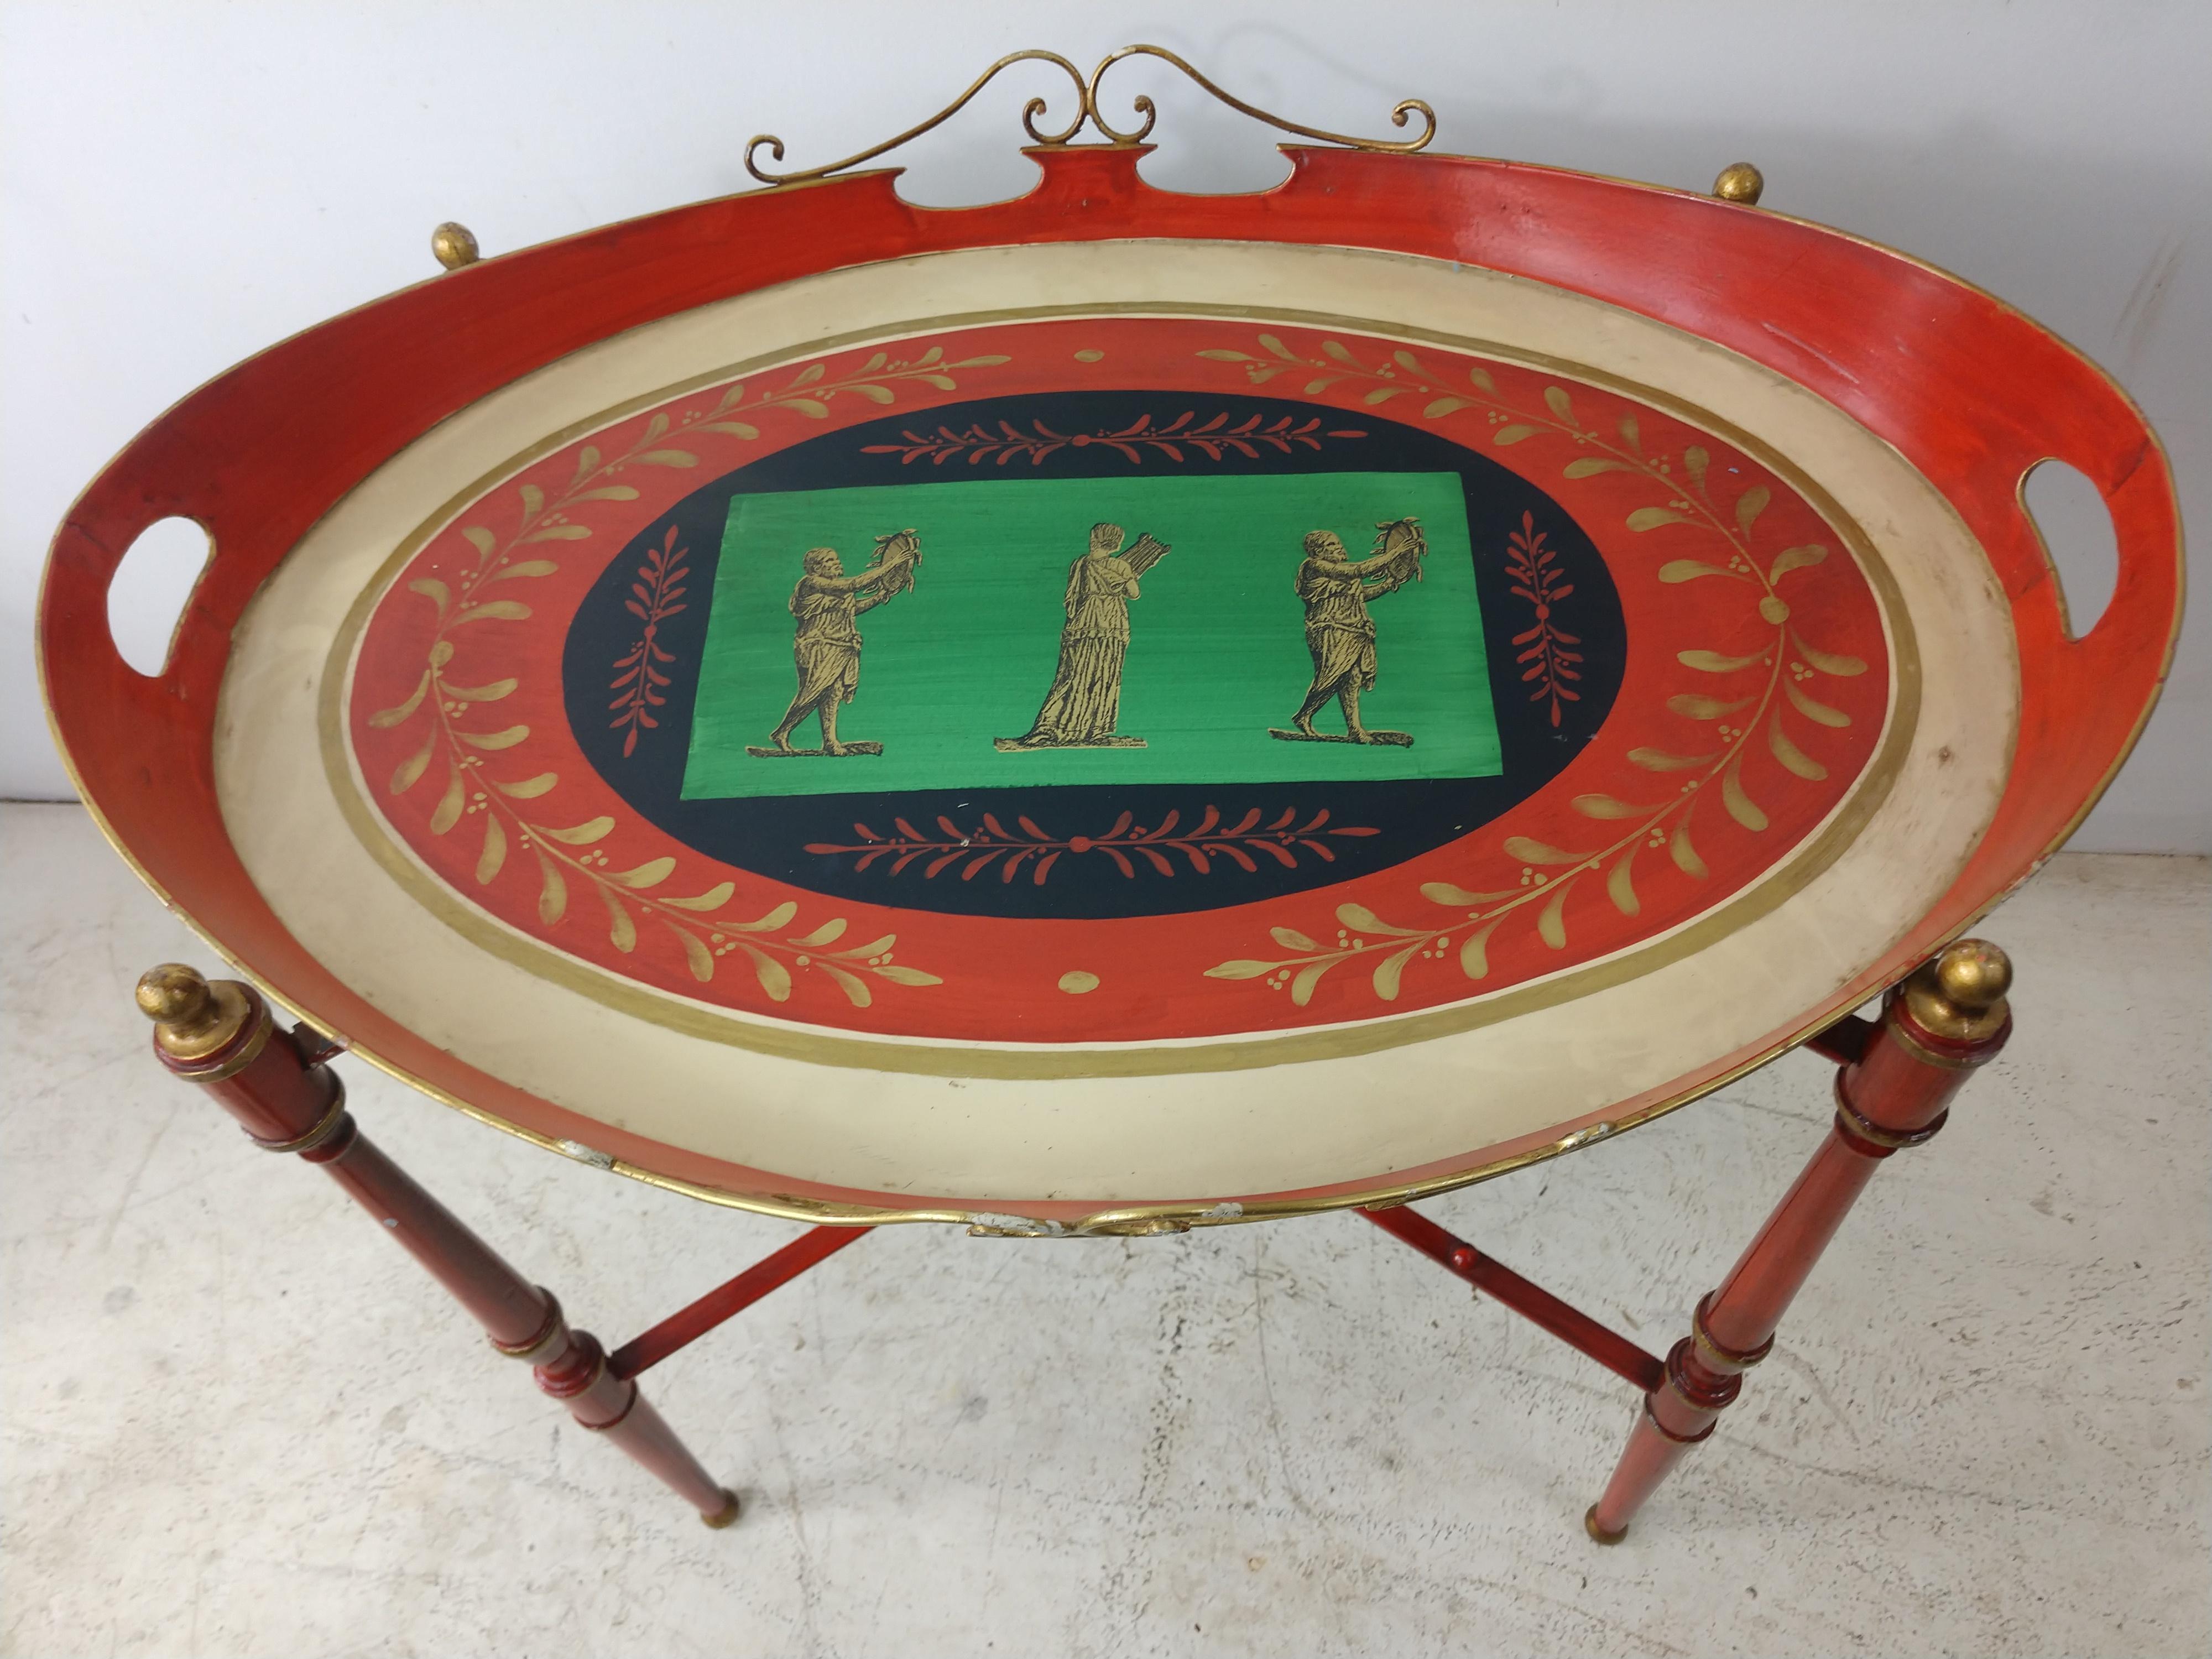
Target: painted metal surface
point(1968, 392)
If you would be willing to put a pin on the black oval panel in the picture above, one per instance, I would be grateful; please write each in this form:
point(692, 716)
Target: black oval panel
point(1092, 849)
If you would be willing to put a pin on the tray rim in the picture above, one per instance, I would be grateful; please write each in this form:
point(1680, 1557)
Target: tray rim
point(1308, 162)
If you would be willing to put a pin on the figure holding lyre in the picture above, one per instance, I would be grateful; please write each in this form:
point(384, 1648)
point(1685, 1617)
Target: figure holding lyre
point(1335, 589)
point(826, 646)
point(1085, 701)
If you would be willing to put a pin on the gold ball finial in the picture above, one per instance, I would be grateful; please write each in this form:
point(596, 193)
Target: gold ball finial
point(1739, 181)
point(455, 245)
point(1974, 975)
point(194, 1017)
point(1960, 995)
point(174, 994)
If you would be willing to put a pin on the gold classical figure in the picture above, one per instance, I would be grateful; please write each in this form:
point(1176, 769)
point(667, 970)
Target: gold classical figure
point(1085, 701)
point(826, 648)
point(1339, 634)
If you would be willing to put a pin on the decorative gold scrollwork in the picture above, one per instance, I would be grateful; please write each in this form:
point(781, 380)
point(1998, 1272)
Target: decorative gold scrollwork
point(1030, 113)
point(1143, 106)
point(1089, 112)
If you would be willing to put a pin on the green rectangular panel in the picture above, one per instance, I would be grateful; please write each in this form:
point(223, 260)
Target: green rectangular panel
point(1216, 653)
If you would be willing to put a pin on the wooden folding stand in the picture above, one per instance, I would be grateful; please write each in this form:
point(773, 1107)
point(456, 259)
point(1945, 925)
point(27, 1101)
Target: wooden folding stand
point(1894, 1081)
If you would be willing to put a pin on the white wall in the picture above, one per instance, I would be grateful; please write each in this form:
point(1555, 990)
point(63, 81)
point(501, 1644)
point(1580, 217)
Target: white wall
point(184, 183)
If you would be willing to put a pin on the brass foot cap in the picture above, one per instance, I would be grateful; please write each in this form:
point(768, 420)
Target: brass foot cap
point(724, 1516)
point(1591, 1527)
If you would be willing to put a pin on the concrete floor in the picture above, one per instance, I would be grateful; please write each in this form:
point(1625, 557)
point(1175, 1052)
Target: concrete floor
point(238, 1422)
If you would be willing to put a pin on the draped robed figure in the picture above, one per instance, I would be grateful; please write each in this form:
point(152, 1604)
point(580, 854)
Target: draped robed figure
point(1335, 589)
point(826, 645)
point(1084, 704)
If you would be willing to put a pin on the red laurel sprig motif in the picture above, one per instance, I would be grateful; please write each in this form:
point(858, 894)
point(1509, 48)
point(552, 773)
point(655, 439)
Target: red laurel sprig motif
point(1140, 438)
point(1209, 839)
point(653, 600)
point(1535, 572)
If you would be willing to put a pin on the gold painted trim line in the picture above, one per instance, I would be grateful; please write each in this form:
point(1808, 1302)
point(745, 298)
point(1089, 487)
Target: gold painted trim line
point(1902, 1033)
point(326, 1126)
point(1652, 1417)
point(621, 1417)
point(245, 1057)
point(1723, 1356)
point(1854, 1125)
point(534, 1348)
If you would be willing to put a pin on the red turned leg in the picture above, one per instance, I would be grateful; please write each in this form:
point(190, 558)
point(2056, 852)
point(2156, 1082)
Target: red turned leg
point(223, 1036)
point(1893, 1092)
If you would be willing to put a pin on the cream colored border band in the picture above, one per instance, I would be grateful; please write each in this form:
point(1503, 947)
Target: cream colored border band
point(1302, 1122)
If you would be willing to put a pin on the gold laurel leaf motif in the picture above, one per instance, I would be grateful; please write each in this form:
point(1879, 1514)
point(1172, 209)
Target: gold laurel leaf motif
point(1818, 711)
point(1240, 967)
point(712, 899)
point(494, 850)
point(1360, 918)
point(494, 610)
point(1658, 760)
point(1443, 892)
point(397, 715)
point(1392, 969)
point(899, 974)
point(553, 893)
point(622, 931)
point(702, 960)
point(1620, 884)
point(1750, 505)
point(1551, 926)
point(577, 834)
point(1685, 854)
point(411, 769)
point(1841, 667)
point(855, 989)
point(1741, 806)
point(1474, 955)
point(1712, 662)
point(448, 813)
point(1535, 852)
point(1794, 558)
point(1608, 807)
point(1795, 759)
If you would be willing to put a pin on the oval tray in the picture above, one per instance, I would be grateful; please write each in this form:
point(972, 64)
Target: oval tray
point(1713, 672)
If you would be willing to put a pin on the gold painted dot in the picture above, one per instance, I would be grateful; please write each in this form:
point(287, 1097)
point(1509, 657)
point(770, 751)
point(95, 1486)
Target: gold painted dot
point(1088, 356)
point(1075, 982)
point(1774, 610)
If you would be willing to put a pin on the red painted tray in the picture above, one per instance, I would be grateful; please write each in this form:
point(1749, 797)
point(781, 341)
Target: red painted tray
point(1114, 710)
